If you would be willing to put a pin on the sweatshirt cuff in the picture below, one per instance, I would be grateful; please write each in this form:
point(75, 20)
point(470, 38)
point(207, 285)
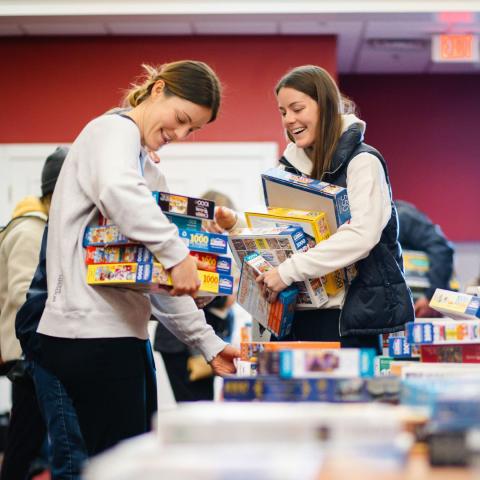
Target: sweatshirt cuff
point(171, 253)
point(287, 272)
point(210, 346)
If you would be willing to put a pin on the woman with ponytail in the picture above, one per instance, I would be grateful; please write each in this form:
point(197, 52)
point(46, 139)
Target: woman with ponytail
point(95, 339)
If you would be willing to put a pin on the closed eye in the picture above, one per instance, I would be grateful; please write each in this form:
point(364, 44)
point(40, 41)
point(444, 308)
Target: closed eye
point(181, 120)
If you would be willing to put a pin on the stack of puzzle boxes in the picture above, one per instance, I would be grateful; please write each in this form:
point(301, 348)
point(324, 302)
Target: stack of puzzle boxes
point(114, 260)
point(301, 213)
point(307, 371)
point(451, 339)
point(455, 339)
point(446, 379)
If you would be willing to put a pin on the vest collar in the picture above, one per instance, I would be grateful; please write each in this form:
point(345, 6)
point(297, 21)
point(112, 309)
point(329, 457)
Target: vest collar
point(353, 130)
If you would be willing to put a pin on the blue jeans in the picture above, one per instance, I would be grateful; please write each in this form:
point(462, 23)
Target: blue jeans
point(66, 445)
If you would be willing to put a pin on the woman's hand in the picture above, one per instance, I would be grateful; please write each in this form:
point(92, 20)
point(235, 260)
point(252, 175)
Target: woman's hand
point(154, 157)
point(423, 310)
point(225, 218)
point(271, 284)
point(185, 279)
point(223, 364)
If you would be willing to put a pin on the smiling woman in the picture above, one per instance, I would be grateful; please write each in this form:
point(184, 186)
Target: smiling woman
point(94, 339)
point(327, 144)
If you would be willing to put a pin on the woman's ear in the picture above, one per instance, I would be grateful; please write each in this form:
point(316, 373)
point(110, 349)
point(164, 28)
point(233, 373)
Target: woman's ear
point(157, 88)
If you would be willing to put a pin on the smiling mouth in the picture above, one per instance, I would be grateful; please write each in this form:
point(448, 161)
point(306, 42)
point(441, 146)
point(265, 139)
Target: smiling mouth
point(165, 137)
point(298, 131)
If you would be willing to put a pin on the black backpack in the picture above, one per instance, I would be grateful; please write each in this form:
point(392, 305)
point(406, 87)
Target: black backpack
point(28, 317)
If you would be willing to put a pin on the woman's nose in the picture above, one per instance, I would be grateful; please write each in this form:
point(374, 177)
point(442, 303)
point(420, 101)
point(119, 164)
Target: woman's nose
point(289, 118)
point(182, 132)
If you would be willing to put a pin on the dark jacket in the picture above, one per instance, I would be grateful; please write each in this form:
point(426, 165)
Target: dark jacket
point(28, 316)
point(378, 299)
point(418, 232)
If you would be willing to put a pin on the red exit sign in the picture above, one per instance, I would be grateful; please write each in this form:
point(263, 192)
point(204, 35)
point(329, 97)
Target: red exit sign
point(455, 48)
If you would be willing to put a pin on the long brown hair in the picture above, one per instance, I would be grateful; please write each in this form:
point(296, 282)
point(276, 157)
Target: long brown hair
point(317, 83)
point(188, 79)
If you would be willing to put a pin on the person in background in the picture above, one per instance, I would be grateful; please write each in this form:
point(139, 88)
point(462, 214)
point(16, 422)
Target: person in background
point(19, 250)
point(66, 447)
point(191, 378)
point(418, 232)
point(95, 339)
point(327, 144)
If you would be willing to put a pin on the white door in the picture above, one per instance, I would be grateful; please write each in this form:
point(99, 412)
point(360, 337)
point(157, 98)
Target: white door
point(231, 168)
point(21, 169)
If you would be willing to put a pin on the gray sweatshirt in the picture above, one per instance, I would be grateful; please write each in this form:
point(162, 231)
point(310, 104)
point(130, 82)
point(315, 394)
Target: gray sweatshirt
point(103, 173)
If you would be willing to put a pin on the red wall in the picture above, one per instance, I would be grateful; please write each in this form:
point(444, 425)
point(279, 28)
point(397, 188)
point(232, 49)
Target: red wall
point(53, 86)
point(427, 128)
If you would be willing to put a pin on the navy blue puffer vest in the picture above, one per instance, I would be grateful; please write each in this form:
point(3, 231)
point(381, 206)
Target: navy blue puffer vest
point(378, 299)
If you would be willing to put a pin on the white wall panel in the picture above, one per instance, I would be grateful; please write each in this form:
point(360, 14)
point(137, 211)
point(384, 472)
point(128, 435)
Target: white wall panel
point(191, 169)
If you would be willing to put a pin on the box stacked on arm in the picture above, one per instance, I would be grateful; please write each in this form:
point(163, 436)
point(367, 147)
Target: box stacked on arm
point(315, 227)
point(114, 260)
point(276, 245)
point(289, 191)
point(304, 193)
point(184, 206)
point(153, 277)
point(276, 317)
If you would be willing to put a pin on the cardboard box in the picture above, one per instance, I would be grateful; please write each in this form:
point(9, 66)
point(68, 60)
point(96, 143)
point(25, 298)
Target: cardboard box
point(186, 206)
point(434, 370)
point(105, 235)
point(141, 254)
point(276, 317)
point(283, 189)
point(151, 277)
point(456, 305)
point(214, 263)
point(118, 254)
point(276, 245)
point(315, 228)
point(252, 349)
point(399, 347)
point(313, 223)
point(204, 242)
point(357, 362)
point(185, 222)
point(443, 331)
point(382, 365)
point(455, 353)
point(341, 390)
